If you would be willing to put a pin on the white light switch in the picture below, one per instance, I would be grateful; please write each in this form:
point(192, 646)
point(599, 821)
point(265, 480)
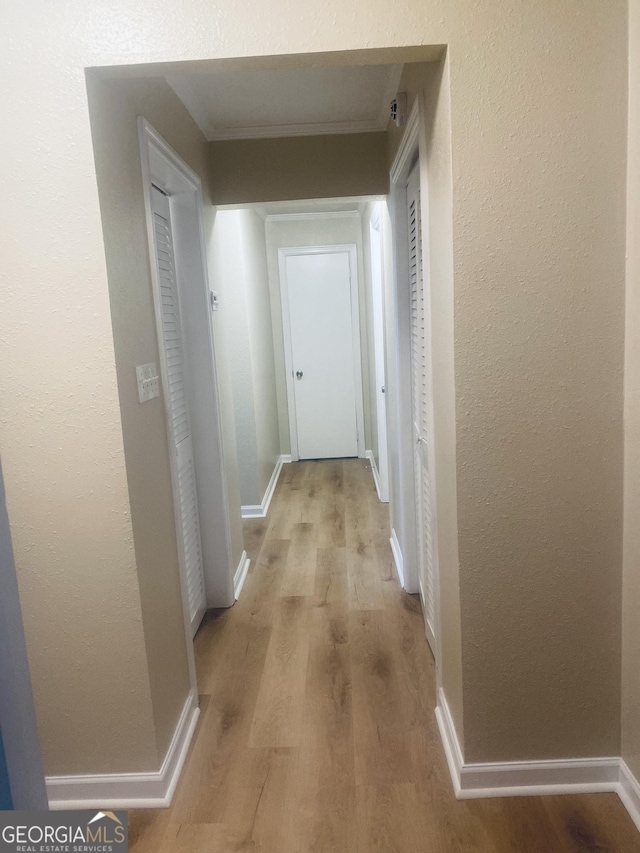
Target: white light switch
point(148, 382)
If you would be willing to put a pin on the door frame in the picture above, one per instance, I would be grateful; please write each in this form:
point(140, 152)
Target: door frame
point(344, 248)
point(381, 468)
point(162, 166)
point(413, 147)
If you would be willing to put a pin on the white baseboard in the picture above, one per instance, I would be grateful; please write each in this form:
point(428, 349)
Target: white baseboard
point(397, 556)
point(376, 476)
point(252, 511)
point(240, 575)
point(261, 510)
point(530, 778)
point(130, 790)
point(286, 458)
point(450, 741)
point(629, 792)
point(522, 778)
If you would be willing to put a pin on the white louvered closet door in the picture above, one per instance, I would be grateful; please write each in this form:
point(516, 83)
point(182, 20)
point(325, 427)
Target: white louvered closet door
point(421, 392)
point(184, 485)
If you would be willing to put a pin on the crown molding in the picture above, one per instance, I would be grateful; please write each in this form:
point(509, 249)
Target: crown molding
point(276, 131)
point(320, 214)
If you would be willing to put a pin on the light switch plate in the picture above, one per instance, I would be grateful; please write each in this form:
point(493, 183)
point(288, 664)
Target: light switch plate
point(148, 382)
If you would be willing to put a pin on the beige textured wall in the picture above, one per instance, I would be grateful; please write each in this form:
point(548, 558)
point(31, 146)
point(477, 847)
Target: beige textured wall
point(115, 107)
point(538, 115)
point(631, 562)
point(537, 539)
point(538, 231)
point(259, 170)
point(313, 232)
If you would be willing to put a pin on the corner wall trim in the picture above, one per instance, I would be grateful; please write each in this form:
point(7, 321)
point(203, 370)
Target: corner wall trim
point(130, 790)
point(376, 474)
point(397, 556)
point(450, 741)
point(261, 510)
point(629, 792)
point(530, 778)
point(241, 574)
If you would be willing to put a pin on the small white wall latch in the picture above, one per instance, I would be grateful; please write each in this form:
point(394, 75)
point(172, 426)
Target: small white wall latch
point(148, 382)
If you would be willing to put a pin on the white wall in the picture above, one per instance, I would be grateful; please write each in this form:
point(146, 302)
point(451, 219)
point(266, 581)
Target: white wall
point(313, 232)
point(263, 370)
point(390, 358)
point(222, 268)
point(387, 271)
point(369, 339)
point(390, 353)
point(239, 275)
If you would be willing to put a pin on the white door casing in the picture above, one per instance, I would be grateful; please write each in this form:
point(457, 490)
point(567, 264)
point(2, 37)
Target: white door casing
point(319, 292)
point(175, 393)
point(420, 398)
point(377, 287)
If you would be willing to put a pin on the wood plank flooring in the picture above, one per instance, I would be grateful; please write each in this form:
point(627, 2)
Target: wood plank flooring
point(317, 732)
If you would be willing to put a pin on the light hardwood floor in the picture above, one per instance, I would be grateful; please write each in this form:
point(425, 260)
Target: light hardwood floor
point(317, 732)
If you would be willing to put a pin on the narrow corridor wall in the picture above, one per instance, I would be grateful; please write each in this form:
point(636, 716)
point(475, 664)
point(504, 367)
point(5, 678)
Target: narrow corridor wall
point(246, 171)
point(243, 320)
point(631, 565)
point(372, 415)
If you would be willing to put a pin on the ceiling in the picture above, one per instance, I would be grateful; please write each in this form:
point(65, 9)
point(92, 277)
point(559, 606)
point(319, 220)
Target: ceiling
point(300, 102)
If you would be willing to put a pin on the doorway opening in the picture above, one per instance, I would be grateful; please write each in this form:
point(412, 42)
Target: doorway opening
point(273, 267)
point(300, 301)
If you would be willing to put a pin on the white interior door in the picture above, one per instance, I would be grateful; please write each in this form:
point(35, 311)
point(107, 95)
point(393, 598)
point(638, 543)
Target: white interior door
point(174, 382)
point(321, 354)
point(382, 461)
point(421, 392)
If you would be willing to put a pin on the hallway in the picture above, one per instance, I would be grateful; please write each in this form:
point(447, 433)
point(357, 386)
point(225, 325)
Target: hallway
point(317, 730)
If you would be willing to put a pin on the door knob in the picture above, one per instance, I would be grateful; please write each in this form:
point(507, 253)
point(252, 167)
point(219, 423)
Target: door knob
point(299, 374)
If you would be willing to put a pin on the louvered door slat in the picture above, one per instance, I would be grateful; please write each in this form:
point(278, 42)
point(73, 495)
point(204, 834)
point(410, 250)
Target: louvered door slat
point(187, 524)
point(420, 400)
